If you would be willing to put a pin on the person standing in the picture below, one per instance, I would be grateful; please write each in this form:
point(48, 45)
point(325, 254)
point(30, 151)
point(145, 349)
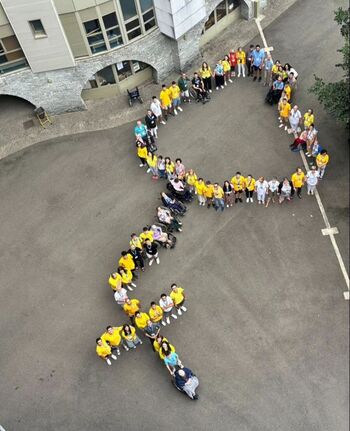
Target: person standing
point(127, 277)
point(249, 188)
point(161, 167)
point(311, 140)
point(199, 190)
point(151, 250)
point(113, 337)
point(169, 168)
point(140, 130)
point(219, 202)
point(142, 152)
point(165, 100)
point(127, 261)
point(191, 179)
point(156, 314)
point(241, 60)
point(206, 75)
point(258, 56)
point(171, 360)
point(151, 123)
point(284, 109)
point(238, 184)
point(141, 319)
point(233, 62)
point(156, 108)
point(129, 335)
point(151, 331)
point(298, 179)
point(227, 69)
point(167, 305)
point(261, 187)
point(249, 57)
point(130, 307)
point(312, 180)
point(209, 193)
point(273, 190)
point(180, 169)
point(309, 118)
point(228, 193)
point(322, 160)
point(219, 75)
point(294, 121)
point(268, 64)
point(115, 281)
point(121, 295)
point(152, 163)
point(177, 294)
point(175, 93)
point(285, 190)
point(104, 351)
point(183, 83)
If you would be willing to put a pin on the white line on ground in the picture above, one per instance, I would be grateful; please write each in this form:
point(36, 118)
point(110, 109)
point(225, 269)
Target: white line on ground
point(329, 231)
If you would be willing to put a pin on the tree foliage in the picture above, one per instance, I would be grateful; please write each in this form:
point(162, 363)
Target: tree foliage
point(334, 96)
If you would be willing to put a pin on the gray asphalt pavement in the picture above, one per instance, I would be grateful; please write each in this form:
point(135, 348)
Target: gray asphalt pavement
point(267, 326)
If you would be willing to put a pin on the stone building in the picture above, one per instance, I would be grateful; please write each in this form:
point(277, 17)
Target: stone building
point(58, 53)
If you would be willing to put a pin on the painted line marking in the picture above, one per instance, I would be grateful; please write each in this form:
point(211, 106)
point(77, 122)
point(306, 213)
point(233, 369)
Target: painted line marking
point(330, 231)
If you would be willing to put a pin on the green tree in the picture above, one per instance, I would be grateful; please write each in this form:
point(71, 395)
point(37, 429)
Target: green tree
point(334, 96)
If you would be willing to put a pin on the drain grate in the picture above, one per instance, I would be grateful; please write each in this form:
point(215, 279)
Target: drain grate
point(28, 124)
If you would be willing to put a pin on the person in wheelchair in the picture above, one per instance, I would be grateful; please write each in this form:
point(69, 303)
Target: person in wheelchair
point(185, 381)
point(198, 86)
point(164, 216)
point(179, 189)
point(166, 240)
point(173, 204)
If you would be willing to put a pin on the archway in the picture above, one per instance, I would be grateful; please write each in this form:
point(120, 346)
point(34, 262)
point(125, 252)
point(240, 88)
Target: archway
point(223, 14)
point(12, 107)
point(116, 78)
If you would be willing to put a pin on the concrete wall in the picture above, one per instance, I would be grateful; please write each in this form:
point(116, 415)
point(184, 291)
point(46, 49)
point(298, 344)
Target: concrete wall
point(45, 53)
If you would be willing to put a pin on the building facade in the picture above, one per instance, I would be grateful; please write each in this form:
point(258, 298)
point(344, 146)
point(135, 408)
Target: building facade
point(58, 53)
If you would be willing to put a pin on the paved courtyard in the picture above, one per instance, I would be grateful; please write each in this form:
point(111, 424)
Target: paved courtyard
point(267, 325)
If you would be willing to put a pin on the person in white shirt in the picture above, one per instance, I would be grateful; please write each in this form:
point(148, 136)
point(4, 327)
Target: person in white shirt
point(167, 304)
point(311, 180)
point(261, 188)
point(157, 110)
point(272, 190)
point(294, 121)
point(121, 295)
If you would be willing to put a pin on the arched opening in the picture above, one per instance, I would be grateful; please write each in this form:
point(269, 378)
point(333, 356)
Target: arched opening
point(116, 78)
point(225, 13)
point(12, 107)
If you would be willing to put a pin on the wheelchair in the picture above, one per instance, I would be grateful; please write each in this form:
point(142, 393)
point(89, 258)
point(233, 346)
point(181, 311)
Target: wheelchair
point(177, 207)
point(134, 95)
point(166, 229)
point(186, 196)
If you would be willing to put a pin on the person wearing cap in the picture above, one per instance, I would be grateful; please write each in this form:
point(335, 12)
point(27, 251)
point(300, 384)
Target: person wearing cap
point(312, 180)
point(187, 382)
point(177, 294)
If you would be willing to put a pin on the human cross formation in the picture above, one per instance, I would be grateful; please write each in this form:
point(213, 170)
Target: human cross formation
point(183, 184)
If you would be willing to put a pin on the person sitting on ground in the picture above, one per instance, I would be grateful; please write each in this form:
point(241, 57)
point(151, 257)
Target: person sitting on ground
point(187, 382)
point(165, 216)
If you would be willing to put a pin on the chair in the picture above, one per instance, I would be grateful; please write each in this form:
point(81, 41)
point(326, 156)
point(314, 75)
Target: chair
point(42, 116)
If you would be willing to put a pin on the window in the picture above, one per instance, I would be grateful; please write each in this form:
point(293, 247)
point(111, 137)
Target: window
point(138, 66)
point(11, 55)
point(123, 70)
point(106, 76)
point(37, 28)
point(146, 5)
point(95, 36)
point(221, 10)
point(232, 5)
point(210, 22)
point(112, 30)
point(128, 8)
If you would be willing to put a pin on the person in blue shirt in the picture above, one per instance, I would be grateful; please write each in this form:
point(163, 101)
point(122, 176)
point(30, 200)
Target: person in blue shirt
point(275, 92)
point(258, 56)
point(140, 130)
point(219, 75)
point(187, 382)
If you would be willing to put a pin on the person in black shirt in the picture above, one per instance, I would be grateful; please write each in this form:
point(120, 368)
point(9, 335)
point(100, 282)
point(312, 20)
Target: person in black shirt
point(198, 86)
point(137, 256)
point(151, 123)
point(151, 250)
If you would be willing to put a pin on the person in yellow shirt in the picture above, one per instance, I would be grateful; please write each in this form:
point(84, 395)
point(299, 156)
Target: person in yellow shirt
point(141, 319)
point(113, 337)
point(127, 277)
point(191, 179)
point(169, 168)
point(199, 190)
point(164, 348)
point(127, 261)
point(175, 94)
point(227, 69)
point(298, 179)
point(238, 184)
point(177, 294)
point(146, 234)
point(209, 193)
point(165, 100)
point(309, 118)
point(130, 307)
point(322, 160)
point(219, 202)
point(287, 91)
point(241, 60)
point(156, 314)
point(206, 75)
point(158, 342)
point(284, 109)
point(135, 241)
point(104, 351)
point(142, 153)
point(129, 335)
point(250, 187)
point(152, 165)
point(115, 280)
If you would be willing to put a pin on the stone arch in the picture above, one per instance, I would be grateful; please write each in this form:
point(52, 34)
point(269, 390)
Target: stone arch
point(20, 97)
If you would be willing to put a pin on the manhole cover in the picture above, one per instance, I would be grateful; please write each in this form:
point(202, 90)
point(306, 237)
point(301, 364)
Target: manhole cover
point(28, 124)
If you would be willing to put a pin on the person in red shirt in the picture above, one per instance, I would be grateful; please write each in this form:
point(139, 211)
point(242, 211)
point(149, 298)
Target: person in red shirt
point(233, 62)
